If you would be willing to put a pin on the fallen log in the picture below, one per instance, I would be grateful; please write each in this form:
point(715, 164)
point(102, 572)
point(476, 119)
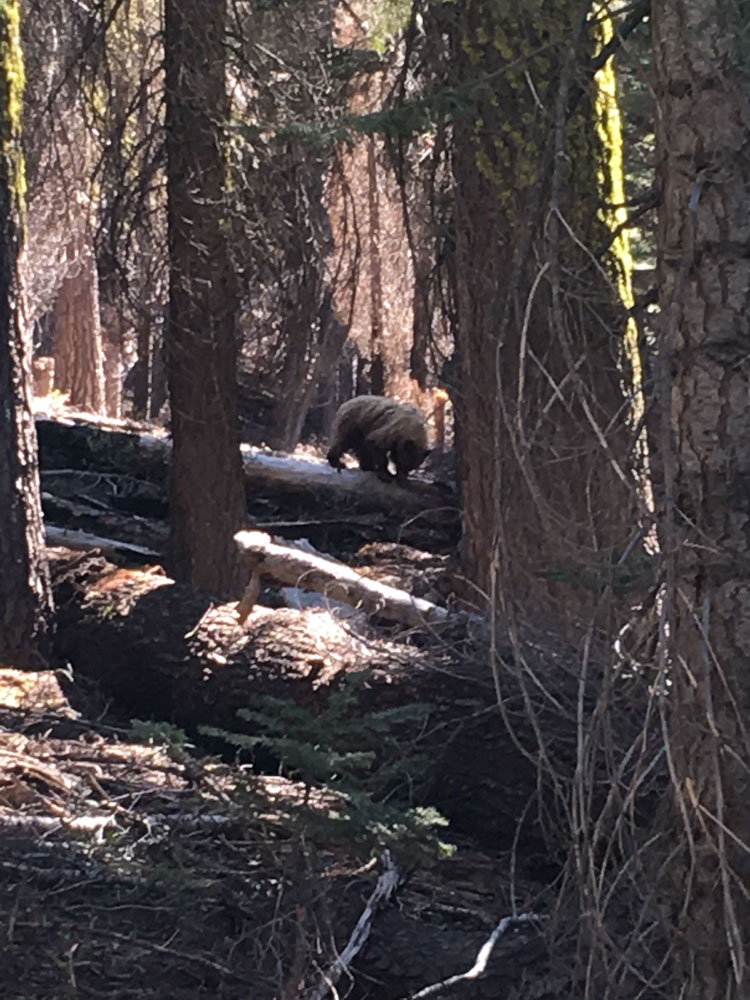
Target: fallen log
point(67, 443)
point(83, 541)
point(266, 559)
point(125, 469)
point(202, 665)
point(145, 455)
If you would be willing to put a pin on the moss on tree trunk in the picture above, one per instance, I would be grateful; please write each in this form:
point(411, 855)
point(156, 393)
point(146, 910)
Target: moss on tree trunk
point(25, 599)
point(542, 401)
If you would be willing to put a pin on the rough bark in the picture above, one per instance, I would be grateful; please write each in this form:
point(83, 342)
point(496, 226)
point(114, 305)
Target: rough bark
point(540, 407)
point(374, 237)
point(113, 330)
point(78, 351)
point(703, 147)
point(25, 598)
point(207, 489)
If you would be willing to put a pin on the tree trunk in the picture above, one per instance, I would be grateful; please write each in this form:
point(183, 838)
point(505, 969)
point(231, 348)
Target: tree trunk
point(540, 403)
point(142, 369)
point(376, 270)
point(207, 490)
point(703, 96)
point(113, 377)
point(79, 364)
point(25, 598)
point(43, 374)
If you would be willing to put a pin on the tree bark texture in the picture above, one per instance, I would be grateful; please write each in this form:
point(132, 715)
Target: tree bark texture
point(78, 352)
point(207, 490)
point(703, 150)
point(25, 597)
point(540, 404)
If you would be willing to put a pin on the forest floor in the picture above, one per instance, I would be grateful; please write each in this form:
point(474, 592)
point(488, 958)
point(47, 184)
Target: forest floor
point(127, 873)
point(135, 864)
point(132, 866)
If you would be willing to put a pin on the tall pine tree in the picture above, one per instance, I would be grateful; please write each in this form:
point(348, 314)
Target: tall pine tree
point(25, 598)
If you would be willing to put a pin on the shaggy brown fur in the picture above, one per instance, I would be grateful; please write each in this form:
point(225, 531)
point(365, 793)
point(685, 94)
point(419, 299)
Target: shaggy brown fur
point(376, 429)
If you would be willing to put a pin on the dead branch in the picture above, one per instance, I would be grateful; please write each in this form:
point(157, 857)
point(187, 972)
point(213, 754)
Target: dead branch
point(82, 541)
point(386, 886)
point(483, 957)
point(295, 568)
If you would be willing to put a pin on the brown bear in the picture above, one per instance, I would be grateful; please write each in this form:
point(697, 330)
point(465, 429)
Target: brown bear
point(376, 429)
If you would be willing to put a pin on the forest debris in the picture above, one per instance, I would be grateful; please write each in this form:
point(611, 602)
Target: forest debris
point(26, 781)
point(37, 691)
point(202, 666)
point(386, 885)
point(29, 823)
point(178, 860)
point(292, 567)
point(88, 514)
point(71, 539)
point(22, 764)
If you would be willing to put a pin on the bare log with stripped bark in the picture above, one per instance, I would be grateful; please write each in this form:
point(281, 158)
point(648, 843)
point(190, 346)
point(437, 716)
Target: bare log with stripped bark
point(293, 567)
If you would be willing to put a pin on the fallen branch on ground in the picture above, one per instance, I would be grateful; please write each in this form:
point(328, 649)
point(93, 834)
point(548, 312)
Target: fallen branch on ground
point(266, 559)
point(386, 886)
point(483, 957)
point(82, 541)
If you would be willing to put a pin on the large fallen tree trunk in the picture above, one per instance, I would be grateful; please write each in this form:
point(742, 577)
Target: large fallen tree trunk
point(75, 444)
point(125, 471)
point(202, 665)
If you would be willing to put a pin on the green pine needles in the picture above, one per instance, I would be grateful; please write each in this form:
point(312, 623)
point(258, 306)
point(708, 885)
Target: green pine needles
point(369, 765)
